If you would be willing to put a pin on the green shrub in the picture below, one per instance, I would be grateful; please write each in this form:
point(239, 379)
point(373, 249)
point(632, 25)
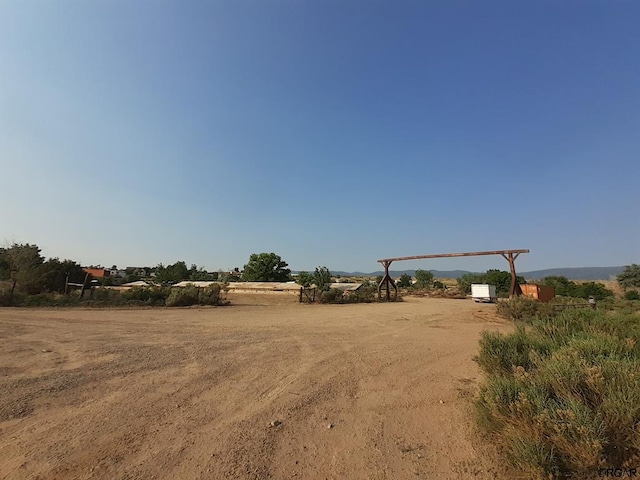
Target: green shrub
point(322, 278)
point(567, 288)
point(534, 458)
point(404, 281)
point(332, 295)
point(304, 278)
point(183, 296)
point(520, 308)
point(502, 354)
point(424, 279)
point(563, 392)
point(153, 295)
point(136, 296)
point(214, 294)
point(6, 300)
point(632, 295)
point(192, 295)
point(619, 305)
point(365, 294)
point(49, 300)
point(499, 278)
point(593, 289)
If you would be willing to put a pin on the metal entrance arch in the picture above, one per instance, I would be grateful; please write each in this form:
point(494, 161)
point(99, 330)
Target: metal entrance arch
point(509, 255)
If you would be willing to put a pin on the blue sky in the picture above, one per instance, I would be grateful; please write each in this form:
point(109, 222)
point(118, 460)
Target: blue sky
point(330, 132)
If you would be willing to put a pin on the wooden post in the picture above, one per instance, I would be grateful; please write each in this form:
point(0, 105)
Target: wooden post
point(84, 284)
point(515, 289)
point(13, 288)
point(388, 282)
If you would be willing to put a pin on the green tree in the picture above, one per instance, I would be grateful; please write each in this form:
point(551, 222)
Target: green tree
point(502, 281)
point(629, 277)
point(566, 288)
point(201, 275)
point(322, 278)
point(562, 285)
point(499, 278)
point(54, 273)
point(593, 289)
point(424, 279)
point(172, 273)
point(132, 277)
point(304, 278)
point(5, 268)
point(404, 281)
point(465, 281)
point(24, 261)
point(266, 267)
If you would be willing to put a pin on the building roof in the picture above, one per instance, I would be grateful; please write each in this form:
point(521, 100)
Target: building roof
point(258, 286)
point(139, 283)
point(346, 287)
point(201, 284)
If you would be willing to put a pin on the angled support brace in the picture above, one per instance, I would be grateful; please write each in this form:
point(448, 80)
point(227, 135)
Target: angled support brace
point(388, 283)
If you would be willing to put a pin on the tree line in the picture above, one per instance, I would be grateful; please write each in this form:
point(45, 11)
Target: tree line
point(28, 272)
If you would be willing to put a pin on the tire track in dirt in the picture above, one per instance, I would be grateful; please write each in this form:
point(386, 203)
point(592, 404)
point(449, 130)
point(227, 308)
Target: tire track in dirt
point(189, 393)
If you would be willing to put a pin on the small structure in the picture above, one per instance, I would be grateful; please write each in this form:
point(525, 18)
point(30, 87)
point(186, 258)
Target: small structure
point(539, 292)
point(346, 287)
point(482, 292)
point(97, 272)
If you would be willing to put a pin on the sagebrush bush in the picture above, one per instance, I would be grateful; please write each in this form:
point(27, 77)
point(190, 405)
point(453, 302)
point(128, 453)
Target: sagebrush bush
point(7, 301)
point(332, 295)
point(183, 296)
point(152, 295)
point(562, 396)
point(365, 294)
point(192, 295)
point(48, 300)
point(212, 295)
point(501, 354)
point(632, 295)
point(520, 308)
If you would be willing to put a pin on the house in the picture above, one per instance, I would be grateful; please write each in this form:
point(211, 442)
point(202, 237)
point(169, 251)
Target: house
point(97, 272)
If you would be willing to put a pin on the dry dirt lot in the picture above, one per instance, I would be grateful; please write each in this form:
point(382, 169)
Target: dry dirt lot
point(379, 391)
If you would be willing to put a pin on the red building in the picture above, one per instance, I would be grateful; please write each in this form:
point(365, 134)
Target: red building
point(97, 272)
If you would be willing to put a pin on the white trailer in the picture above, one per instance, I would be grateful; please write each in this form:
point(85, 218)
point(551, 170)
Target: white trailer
point(481, 292)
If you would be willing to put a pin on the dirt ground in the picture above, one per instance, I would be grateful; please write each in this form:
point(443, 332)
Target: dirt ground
point(377, 391)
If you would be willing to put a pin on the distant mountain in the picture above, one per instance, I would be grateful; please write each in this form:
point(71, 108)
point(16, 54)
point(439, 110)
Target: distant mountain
point(572, 273)
point(579, 273)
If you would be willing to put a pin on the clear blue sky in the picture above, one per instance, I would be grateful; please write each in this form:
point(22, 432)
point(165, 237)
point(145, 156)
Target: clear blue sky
point(330, 132)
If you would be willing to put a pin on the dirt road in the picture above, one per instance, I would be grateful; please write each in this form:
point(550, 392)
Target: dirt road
point(380, 391)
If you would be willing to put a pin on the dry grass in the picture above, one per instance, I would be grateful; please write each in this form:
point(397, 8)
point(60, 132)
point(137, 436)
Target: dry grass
point(563, 392)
